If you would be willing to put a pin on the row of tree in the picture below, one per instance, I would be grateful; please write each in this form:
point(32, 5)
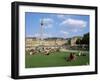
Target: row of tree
point(84, 40)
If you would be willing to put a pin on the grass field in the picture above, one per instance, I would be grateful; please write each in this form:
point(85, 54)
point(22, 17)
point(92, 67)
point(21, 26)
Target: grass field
point(54, 60)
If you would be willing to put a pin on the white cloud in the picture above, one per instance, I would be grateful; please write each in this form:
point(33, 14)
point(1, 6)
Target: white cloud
point(61, 16)
point(48, 26)
point(47, 22)
point(76, 30)
point(74, 23)
point(36, 35)
point(45, 35)
point(29, 35)
point(64, 32)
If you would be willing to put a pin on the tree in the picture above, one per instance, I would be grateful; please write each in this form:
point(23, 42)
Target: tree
point(69, 42)
point(85, 39)
point(78, 41)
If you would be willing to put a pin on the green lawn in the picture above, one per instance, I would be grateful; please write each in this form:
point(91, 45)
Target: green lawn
point(54, 59)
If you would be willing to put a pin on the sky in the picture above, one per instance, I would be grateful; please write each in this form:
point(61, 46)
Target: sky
point(55, 25)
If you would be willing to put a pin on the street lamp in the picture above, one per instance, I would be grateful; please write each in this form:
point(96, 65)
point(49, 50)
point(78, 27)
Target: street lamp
point(41, 31)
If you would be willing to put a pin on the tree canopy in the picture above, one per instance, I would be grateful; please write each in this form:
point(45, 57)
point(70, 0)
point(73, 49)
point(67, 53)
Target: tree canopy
point(84, 40)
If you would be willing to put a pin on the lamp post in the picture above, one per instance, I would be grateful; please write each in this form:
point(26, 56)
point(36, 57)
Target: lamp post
point(41, 31)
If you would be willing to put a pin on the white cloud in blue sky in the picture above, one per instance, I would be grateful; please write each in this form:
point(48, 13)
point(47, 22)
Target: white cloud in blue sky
point(48, 22)
point(36, 35)
point(74, 23)
point(56, 25)
point(61, 16)
point(45, 35)
point(64, 33)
